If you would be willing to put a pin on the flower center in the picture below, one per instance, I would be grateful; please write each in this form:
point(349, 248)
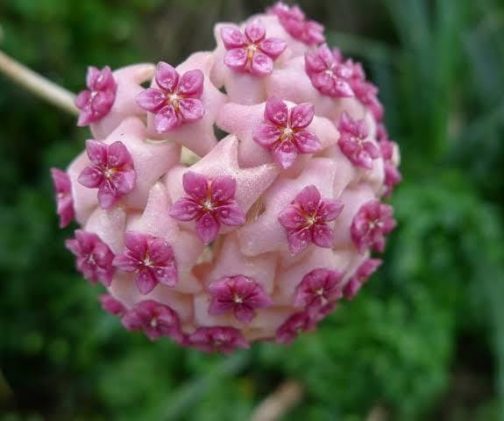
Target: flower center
point(109, 172)
point(154, 322)
point(251, 50)
point(286, 134)
point(311, 219)
point(238, 299)
point(207, 205)
point(375, 223)
point(148, 262)
point(174, 100)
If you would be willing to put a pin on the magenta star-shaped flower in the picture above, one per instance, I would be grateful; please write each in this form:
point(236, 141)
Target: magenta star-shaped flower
point(111, 171)
point(96, 101)
point(112, 305)
point(150, 258)
point(353, 143)
point(210, 202)
point(329, 73)
point(306, 220)
point(64, 201)
point(295, 23)
point(317, 289)
point(154, 319)
point(217, 339)
point(367, 93)
point(94, 257)
point(239, 294)
point(284, 131)
point(293, 326)
point(392, 173)
point(251, 52)
point(175, 100)
point(362, 274)
point(371, 223)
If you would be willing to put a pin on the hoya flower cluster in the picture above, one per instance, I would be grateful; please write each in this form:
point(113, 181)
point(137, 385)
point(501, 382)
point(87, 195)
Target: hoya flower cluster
point(237, 198)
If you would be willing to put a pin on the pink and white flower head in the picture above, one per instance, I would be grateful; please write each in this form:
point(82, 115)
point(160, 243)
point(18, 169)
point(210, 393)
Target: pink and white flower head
point(258, 235)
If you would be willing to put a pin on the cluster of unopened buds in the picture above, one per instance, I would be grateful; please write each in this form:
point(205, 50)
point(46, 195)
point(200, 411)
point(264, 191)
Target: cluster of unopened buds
point(239, 197)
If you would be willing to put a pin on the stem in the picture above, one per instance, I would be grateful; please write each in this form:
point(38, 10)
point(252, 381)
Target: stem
point(37, 84)
point(279, 402)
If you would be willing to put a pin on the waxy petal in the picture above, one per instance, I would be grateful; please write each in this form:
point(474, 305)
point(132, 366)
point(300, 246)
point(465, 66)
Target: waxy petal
point(276, 111)
point(191, 109)
point(236, 59)
point(166, 76)
point(232, 37)
point(207, 228)
point(151, 99)
point(262, 64)
point(273, 47)
point(191, 83)
point(302, 115)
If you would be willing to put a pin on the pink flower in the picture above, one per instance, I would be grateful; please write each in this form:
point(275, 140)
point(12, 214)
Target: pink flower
point(294, 22)
point(217, 339)
point(330, 74)
point(251, 51)
point(306, 220)
point(176, 100)
point(210, 202)
point(284, 131)
point(95, 102)
point(111, 171)
point(151, 258)
point(367, 93)
point(363, 272)
point(112, 306)
point(353, 143)
point(317, 289)
point(392, 173)
point(239, 294)
point(155, 319)
point(94, 257)
point(64, 201)
point(371, 223)
point(293, 326)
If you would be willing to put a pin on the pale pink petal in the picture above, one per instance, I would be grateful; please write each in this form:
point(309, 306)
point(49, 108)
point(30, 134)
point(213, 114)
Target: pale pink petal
point(146, 281)
point(196, 185)
point(151, 99)
point(185, 210)
point(276, 111)
point(207, 228)
point(166, 119)
point(191, 83)
point(306, 141)
point(118, 155)
point(90, 177)
point(291, 218)
point(236, 59)
point(302, 115)
point(309, 199)
point(232, 37)
point(255, 32)
point(299, 240)
point(166, 76)
point(322, 235)
point(191, 109)
point(273, 47)
point(230, 215)
point(262, 65)
point(96, 152)
point(223, 188)
point(285, 153)
point(82, 99)
point(267, 134)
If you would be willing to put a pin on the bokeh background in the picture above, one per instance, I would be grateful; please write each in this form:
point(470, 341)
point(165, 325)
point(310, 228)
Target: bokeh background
point(423, 340)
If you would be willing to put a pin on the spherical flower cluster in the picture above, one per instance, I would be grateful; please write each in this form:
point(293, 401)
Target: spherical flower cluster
point(239, 197)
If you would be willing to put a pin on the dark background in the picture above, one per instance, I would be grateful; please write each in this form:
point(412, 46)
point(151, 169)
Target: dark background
point(424, 340)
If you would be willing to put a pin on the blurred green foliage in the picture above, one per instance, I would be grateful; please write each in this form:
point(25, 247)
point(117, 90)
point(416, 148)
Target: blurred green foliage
point(425, 340)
